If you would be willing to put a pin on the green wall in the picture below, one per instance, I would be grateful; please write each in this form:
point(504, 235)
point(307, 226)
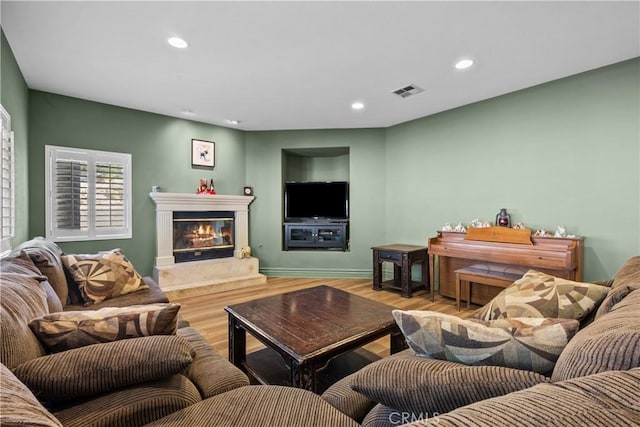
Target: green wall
point(367, 201)
point(14, 96)
point(161, 155)
point(566, 152)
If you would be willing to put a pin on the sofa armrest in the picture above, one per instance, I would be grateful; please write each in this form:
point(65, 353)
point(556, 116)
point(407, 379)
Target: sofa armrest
point(348, 401)
point(210, 372)
point(421, 385)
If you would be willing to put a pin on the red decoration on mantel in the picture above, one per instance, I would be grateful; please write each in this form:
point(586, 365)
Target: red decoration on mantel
point(203, 189)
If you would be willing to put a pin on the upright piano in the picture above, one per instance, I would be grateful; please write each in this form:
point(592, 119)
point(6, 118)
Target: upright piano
point(449, 251)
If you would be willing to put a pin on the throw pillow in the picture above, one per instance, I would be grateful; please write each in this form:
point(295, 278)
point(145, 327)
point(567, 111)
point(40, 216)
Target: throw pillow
point(73, 329)
point(532, 344)
point(104, 275)
point(19, 406)
point(46, 256)
point(538, 294)
point(101, 368)
point(20, 263)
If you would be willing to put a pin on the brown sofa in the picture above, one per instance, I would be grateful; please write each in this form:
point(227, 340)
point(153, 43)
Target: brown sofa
point(596, 381)
point(127, 382)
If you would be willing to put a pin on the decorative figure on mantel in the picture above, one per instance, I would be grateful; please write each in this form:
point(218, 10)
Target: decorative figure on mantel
point(203, 189)
point(519, 226)
point(503, 219)
point(447, 227)
point(460, 228)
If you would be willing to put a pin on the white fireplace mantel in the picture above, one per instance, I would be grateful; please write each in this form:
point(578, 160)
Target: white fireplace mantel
point(167, 203)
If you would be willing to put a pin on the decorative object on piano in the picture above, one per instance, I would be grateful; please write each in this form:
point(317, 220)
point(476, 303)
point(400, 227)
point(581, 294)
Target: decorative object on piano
point(476, 223)
point(460, 228)
point(543, 233)
point(519, 226)
point(447, 227)
point(503, 219)
point(560, 231)
point(204, 189)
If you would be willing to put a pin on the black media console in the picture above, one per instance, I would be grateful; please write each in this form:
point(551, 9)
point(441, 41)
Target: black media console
point(333, 235)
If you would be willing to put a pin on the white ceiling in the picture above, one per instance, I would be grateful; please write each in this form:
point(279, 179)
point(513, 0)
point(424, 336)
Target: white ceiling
point(300, 65)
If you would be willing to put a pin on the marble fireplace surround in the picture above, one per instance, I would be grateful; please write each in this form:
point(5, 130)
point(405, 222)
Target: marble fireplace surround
point(206, 276)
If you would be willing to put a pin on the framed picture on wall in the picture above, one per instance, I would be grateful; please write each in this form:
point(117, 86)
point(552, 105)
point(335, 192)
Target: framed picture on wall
point(203, 153)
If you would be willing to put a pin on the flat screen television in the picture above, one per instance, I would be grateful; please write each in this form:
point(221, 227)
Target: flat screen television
point(327, 200)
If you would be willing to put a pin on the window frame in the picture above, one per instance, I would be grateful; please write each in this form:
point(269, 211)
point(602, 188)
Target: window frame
point(92, 157)
point(5, 240)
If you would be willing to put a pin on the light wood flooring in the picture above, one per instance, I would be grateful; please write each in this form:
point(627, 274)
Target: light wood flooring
point(206, 312)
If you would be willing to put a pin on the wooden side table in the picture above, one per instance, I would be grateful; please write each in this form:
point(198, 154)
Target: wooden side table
point(402, 257)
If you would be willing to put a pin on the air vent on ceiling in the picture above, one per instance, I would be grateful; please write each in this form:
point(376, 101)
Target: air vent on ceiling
point(408, 90)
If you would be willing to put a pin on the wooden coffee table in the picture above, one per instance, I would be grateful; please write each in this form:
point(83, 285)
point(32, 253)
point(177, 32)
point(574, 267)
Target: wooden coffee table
point(307, 329)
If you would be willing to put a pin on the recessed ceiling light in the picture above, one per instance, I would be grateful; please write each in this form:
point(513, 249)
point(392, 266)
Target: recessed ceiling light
point(177, 42)
point(464, 63)
point(357, 106)
point(233, 122)
point(187, 112)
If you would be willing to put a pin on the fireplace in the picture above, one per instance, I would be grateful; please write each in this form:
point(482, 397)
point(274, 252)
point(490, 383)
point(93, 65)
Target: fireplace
point(202, 241)
point(203, 235)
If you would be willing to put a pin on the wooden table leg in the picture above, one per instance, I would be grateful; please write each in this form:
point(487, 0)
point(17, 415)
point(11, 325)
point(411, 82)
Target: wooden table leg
point(237, 343)
point(468, 293)
point(432, 282)
point(377, 272)
point(303, 376)
point(458, 284)
point(405, 277)
point(397, 342)
point(425, 275)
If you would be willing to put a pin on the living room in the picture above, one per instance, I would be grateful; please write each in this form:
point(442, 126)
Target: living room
point(564, 151)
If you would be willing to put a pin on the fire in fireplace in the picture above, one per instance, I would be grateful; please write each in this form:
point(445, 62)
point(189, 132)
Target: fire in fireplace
point(202, 235)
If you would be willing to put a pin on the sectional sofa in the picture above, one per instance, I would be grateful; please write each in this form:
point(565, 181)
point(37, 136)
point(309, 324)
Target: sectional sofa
point(113, 382)
point(165, 374)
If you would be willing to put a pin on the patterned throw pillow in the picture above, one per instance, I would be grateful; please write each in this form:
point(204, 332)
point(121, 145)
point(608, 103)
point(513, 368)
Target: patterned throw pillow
point(532, 344)
point(103, 275)
point(73, 329)
point(538, 294)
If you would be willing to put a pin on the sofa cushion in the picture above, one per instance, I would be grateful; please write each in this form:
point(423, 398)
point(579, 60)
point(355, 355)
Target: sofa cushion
point(612, 342)
point(104, 275)
point(100, 368)
point(73, 329)
point(415, 384)
point(533, 344)
point(21, 300)
point(20, 263)
point(264, 405)
point(606, 399)
point(19, 407)
point(131, 406)
point(538, 294)
point(46, 256)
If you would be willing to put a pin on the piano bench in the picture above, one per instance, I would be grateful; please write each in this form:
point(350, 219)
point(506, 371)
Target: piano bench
point(495, 275)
